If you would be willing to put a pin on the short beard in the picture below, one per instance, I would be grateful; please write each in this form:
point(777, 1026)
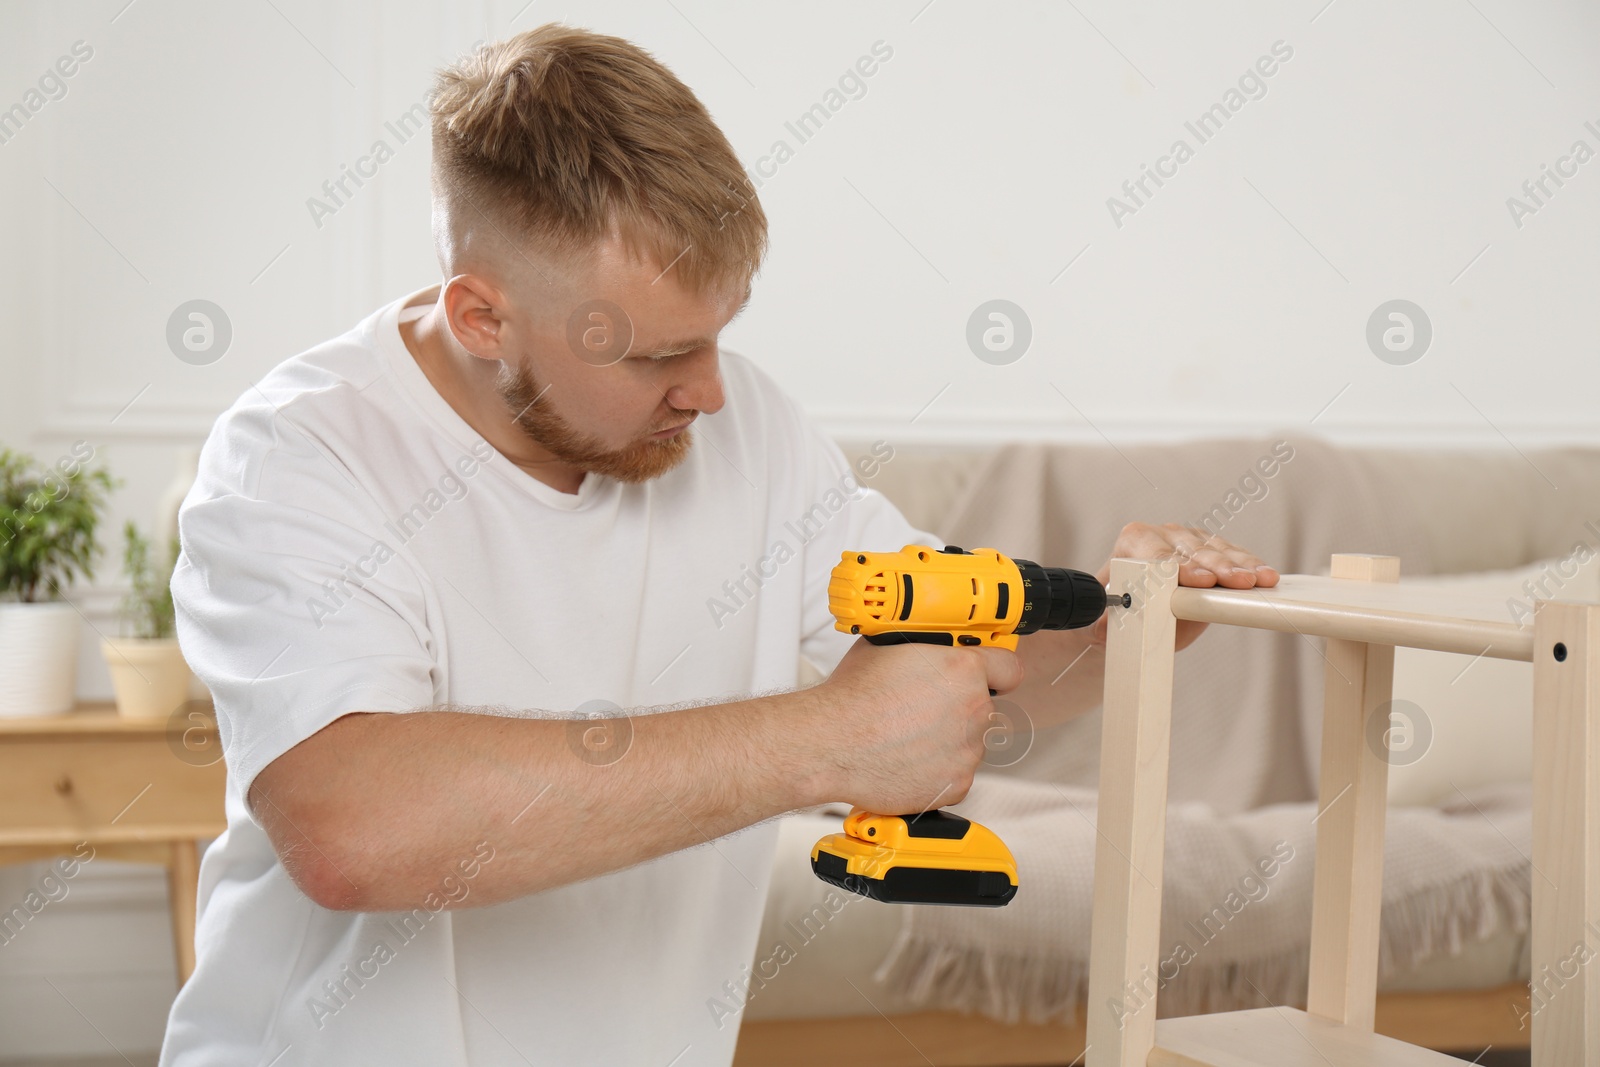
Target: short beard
point(638, 462)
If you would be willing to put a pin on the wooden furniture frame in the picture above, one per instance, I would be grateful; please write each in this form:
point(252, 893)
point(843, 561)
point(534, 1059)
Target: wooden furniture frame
point(1363, 613)
point(1364, 616)
point(145, 791)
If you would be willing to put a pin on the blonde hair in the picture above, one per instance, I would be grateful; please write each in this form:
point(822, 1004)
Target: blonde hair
point(566, 136)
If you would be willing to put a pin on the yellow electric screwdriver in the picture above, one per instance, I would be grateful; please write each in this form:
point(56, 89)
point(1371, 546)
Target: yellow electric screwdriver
point(943, 597)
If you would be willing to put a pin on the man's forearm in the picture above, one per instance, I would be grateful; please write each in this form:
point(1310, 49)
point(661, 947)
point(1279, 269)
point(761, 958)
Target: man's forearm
point(390, 817)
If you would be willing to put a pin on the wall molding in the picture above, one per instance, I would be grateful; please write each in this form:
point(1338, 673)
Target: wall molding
point(987, 429)
point(193, 426)
point(177, 428)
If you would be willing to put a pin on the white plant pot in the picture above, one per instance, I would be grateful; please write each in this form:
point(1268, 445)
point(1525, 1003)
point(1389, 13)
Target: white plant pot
point(38, 659)
point(149, 675)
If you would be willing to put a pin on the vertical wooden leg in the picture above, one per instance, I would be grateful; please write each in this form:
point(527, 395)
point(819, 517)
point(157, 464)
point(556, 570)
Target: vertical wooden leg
point(1125, 938)
point(1347, 891)
point(1566, 834)
point(183, 886)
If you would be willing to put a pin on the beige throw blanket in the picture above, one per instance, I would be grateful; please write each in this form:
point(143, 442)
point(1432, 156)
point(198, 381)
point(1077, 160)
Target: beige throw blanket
point(1236, 905)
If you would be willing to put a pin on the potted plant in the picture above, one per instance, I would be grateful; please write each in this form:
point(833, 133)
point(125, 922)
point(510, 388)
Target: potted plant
point(148, 671)
point(48, 517)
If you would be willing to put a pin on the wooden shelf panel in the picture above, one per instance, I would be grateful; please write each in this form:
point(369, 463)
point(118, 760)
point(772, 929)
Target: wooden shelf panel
point(1374, 612)
point(1280, 1037)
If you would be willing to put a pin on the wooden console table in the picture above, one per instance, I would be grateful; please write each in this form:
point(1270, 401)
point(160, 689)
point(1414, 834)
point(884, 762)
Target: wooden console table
point(144, 791)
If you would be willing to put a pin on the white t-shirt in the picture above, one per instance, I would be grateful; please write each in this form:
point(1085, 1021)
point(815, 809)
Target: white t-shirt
point(353, 545)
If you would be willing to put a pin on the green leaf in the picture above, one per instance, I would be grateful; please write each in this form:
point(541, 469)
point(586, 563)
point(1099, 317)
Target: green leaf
point(48, 517)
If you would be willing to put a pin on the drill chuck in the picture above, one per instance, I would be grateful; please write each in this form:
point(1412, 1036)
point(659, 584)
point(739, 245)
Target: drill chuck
point(1062, 599)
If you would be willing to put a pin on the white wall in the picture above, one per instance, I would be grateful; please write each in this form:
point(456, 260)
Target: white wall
point(977, 165)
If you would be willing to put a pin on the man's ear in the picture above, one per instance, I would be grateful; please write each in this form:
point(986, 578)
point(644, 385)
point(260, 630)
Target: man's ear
point(476, 311)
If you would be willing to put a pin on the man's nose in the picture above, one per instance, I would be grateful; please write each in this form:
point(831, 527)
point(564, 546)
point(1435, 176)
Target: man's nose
point(700, 387)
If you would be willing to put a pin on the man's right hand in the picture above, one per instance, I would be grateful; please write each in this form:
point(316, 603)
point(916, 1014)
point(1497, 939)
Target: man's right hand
point(906, 723)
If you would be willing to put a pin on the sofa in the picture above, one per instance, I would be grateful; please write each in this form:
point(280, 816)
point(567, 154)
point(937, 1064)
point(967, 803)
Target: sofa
point(958, 986)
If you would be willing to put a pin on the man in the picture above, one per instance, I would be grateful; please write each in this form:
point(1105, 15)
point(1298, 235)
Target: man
point(428, 563)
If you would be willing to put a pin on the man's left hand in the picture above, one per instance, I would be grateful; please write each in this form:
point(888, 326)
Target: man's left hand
point(1205, 560)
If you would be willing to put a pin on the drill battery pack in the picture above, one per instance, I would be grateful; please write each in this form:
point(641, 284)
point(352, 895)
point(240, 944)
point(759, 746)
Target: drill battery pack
point(933, 857)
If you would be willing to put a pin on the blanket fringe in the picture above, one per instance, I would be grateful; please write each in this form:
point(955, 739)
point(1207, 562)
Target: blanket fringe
point(1439, 920)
